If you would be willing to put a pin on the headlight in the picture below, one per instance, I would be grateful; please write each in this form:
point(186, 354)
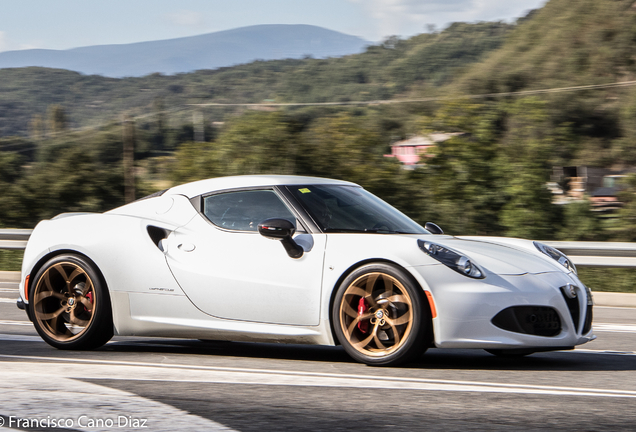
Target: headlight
point(453, 259)
point(556, 255)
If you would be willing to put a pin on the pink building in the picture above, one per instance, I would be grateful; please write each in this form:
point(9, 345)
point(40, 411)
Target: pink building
point(411, 150)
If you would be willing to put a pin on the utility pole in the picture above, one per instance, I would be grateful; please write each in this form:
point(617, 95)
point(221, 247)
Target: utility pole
point(199, 126)
point(129, 158)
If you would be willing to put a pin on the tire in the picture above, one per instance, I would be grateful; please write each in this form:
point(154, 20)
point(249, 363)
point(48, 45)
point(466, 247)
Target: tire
point(510, 353)
point(380, 316)
point(70, 305)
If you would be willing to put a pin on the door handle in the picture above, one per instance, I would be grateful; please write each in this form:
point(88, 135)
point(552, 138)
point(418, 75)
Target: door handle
point(186, 247)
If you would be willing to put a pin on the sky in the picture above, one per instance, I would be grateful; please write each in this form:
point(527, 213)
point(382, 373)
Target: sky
point(64, 24)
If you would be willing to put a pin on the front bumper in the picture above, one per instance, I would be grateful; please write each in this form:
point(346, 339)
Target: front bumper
point(466, 308)
point(25, 307)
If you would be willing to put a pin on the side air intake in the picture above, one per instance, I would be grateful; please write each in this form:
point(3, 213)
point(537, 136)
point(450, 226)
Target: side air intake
point(157, 234)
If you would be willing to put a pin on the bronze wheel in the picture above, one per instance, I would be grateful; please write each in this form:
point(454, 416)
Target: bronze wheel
point(380, 318)
point(70, 307)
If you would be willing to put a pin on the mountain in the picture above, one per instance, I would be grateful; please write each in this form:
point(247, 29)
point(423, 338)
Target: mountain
point(208, 51)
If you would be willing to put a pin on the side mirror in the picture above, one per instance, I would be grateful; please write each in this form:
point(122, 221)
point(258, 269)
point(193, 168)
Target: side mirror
point(283, 230)
point(433, 228)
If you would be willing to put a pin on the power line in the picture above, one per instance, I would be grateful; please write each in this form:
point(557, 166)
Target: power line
point(428, 99)
point(350, 103)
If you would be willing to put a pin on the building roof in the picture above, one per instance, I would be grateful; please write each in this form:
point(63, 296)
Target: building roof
point(423, 141)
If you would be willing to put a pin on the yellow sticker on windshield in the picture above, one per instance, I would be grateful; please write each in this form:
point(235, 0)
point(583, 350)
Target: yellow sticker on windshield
point(304, 190)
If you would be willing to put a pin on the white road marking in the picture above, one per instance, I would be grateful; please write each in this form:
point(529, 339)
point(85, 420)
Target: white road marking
point(615, 328)
point(20, 338)
point(610, 352)
point(16, 323)
point(8, 300)
point(135, 371)
point(8, 289)
point(28, 395)
point(614, 307)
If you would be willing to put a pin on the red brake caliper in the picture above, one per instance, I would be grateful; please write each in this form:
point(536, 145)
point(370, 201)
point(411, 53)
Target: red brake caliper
point(89, 296)
point(363, 326)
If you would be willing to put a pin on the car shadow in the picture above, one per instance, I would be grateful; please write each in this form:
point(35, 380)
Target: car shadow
point(442, 359)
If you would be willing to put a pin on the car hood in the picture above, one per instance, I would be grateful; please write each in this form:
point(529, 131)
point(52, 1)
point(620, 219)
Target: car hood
point(500, 255)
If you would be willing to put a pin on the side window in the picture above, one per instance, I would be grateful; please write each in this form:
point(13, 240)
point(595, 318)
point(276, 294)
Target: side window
point(244, 210)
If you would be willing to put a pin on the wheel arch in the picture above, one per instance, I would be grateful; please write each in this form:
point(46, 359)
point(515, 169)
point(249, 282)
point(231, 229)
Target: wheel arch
point(430, 336)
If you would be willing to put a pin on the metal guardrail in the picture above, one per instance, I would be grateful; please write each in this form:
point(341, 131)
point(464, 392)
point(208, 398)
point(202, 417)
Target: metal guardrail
point(592, 254)
point(598, 254)
point(14, 238)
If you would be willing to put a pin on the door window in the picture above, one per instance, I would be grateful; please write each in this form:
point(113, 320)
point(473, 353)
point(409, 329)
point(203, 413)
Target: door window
point(244, 210)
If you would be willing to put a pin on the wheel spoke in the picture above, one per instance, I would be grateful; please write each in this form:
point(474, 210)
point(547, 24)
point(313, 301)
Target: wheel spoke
point(378, 342)
point(363, 343)
point(46, 294)
point(357, 291)
point(62, 272)
point(48, 316)
point(355, 322)
point(396, 335)
point(87, 303)
point(371, 279)
point(405, 318)
point(77, 321)
point(399, 299)
point(78, 271)
point(346, 307)
point(87, 287)
point(388, 285)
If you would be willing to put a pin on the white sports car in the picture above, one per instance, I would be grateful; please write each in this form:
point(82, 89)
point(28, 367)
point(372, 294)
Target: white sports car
point(199, 261)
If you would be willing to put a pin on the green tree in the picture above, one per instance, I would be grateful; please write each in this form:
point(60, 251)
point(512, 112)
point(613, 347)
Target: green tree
point(10, 172)
point(58, 121)
point(626, 227)
point(466, 176)
point(527, 147)
point(580, 223)
point(258, 143)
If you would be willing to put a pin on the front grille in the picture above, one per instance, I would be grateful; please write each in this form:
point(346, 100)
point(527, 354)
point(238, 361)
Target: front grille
point(574, 306)
point(532, 320)
point(588, 320)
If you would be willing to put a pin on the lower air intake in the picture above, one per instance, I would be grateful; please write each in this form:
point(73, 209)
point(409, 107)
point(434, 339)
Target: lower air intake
point(532, 320)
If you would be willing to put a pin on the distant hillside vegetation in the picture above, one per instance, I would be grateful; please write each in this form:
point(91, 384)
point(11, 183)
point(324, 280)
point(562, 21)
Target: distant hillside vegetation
point(565, 43)
point(208, 51)
point(381, 72)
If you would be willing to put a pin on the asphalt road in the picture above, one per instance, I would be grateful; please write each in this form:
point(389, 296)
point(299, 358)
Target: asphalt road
point(167, 384)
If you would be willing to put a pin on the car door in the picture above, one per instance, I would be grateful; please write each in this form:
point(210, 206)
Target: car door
point(229, 270)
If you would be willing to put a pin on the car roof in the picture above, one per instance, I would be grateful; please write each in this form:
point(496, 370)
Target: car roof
point(200, 187)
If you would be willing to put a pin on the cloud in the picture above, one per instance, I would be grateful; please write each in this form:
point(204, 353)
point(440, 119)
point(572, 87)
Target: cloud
point(6, 44)
point(407, 17)
point(186, 18)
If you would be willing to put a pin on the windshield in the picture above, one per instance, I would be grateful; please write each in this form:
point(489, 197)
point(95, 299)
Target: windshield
point(352, 209)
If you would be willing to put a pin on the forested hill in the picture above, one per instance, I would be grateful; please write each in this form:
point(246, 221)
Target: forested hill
point(381, 72)
point(567, 42)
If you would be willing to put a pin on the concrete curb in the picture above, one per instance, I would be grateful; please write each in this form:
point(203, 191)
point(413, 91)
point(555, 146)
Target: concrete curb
point(614, 299)
point(600, 298)
point(7, 276)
